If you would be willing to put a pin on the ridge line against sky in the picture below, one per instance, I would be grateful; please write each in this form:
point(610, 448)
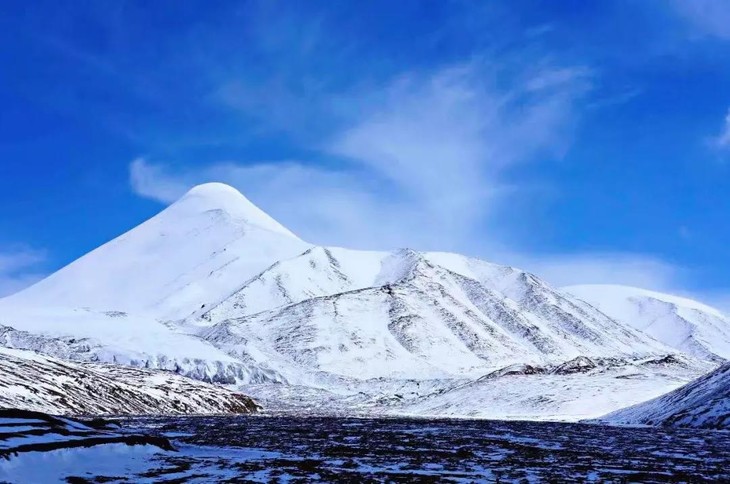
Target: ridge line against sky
point(582, 142)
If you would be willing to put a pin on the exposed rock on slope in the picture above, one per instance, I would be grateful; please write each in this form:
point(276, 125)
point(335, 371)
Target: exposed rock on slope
point(33, 382)
point(407, 314)
point(120, 338)
point(703, 403)
point(215, 289)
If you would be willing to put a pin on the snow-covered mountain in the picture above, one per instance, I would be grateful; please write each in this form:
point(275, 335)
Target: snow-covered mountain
point(81, 334)
point(407, 314)
point(574, 390)
point(684, 324)
point(34, 382)
point(199, 248)
point(703, 403)
point(109, 305)
point(215, 289)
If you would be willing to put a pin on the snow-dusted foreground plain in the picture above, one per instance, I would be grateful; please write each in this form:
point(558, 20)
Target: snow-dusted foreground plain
point(40, 448)
point(280, 449)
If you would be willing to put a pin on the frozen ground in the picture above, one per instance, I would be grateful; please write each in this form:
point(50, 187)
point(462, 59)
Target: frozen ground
point(372, 450)
point(43, 449)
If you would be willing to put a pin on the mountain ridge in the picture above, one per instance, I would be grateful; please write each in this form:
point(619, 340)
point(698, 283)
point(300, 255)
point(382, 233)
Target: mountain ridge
point(702, 403)
point(684, 324)
point(173, 262)
point(213, 288)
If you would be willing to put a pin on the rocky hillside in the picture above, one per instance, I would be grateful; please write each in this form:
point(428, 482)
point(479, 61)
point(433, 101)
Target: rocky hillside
point(30, 381)
point(703, 403)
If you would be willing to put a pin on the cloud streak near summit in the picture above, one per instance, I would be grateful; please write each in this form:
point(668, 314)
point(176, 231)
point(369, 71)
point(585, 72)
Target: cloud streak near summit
point(582, 141)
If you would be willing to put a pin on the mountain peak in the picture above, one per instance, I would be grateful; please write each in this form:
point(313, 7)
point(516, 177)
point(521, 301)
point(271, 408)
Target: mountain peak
point(216, 196)
point(214, 190)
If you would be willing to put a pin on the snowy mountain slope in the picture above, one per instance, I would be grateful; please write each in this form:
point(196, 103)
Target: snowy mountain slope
point(408, 315)
point(198, 249)
point(681, 323)
point(245, 301)
point(555, 393)
point(703, 403)
point(195, 251)
point(568, 391)
point(116, 337)
point(318, 271)
point(30, 381)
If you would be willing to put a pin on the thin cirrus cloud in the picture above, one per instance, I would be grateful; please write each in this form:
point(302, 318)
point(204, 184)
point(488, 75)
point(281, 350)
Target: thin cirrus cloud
point(19, 268)
point(722, 140)
point(422, 166)
point(707, 17)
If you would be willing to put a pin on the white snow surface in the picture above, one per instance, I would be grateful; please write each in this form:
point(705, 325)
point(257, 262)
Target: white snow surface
point(82, 334)
point(548, 393)
point(684, 324)
point(406, 314)
point(703, 403)
point(200, 247)
point(215, 289)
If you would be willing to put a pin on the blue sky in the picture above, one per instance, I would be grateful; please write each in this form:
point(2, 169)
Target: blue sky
point(586, 141)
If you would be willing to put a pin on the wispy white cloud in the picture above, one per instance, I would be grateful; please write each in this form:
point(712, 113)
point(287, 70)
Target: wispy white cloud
point(19, 268)
point(425, 159)
point(638, 270)
point(156, 182)
point(332, 208)
point(722, 140)
point(708, 17)
point(420, 159)
point(719, 299)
